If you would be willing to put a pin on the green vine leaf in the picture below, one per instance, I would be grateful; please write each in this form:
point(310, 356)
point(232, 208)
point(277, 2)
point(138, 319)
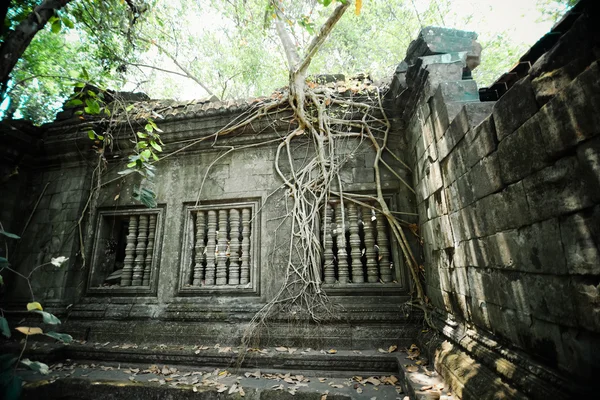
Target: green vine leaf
point(36, 366)
point(4, 328)
point(10, 235)
point(48, 318)
point(63, 337)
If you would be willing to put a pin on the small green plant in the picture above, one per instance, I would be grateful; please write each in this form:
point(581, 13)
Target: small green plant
point(10, 382)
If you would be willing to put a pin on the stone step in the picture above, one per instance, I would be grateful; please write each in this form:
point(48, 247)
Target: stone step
point(340, 375)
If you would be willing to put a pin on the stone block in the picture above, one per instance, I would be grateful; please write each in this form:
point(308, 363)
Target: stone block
point(439, 113)
point(460, 281)
point(464, 224)
point(480, 142)
point(557, 190)
point(436, 205)
point(534, 248)
point(436, 40)
point(469, 116)
point(514, 108)
point(484, 177)
point(503, 210)
point(442, 232)
point(522, 152)
point(479, 313)
point(580, 352)
point(580, 236)
point(588, 155)
point(453, 166)
point(576, 42)
point(459, 90)
point(586, 296)
point(433, 178)
point(363, 175)
point(572, 116)
point(504, 288)
point(549, 84)
point(472, 253)
point(550, 298)
point(439, 74)
point(461, 192)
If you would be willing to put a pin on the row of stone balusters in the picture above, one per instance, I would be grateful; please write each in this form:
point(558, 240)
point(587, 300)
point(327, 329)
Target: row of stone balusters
point(367, 236)
point(218, 241)
point(137, 265)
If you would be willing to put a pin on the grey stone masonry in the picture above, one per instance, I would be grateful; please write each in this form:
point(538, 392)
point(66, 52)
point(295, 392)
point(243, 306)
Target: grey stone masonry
point(508, 211)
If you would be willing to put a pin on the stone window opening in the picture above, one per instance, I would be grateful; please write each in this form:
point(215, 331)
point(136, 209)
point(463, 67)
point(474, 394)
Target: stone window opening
point(220, 248)
point(125, 250)
point(356, 246)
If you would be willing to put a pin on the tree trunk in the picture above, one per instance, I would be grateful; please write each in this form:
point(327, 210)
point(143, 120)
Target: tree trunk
point(18, 40)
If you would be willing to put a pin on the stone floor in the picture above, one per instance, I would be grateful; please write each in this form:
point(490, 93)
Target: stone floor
point(122, 371)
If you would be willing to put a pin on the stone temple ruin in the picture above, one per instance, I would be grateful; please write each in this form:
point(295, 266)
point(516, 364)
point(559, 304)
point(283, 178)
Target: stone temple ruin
point(505, 219)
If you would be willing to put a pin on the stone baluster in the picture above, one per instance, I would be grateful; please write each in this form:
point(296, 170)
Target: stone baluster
point(245, 258)
point(355, 262)
point(371, 255)
point(222, 249)
point(129, 251)
point(149, 250)
point(342, 255)
point(211, 246)
point(234, 247)
point(383, 251)
point(140, 252)
point(198, 273)
point(328, 266)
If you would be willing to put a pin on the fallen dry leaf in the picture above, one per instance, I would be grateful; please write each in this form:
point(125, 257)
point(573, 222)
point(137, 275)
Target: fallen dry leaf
point(373, 381)
point(332, 351)
point(392, 349)
point(281, 349)
point(232, 389)
point(322, 379)
point(412, 368)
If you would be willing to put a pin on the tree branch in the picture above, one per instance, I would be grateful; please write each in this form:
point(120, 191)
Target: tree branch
point(286, 41)
point(18, 40)
point(324, 32)
point(181, 67)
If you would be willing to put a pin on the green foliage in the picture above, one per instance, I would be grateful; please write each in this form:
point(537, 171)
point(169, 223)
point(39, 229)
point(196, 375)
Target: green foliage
point(4, 328)
point(47, 317)
point(63, 337)
point(36, 366)
point(9, 235)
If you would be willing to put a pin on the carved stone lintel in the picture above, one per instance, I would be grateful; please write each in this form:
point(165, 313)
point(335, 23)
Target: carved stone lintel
point(129, 251)
point(370, 254)
point(222, 249)
point(211, 246)
point(328, 265)
point(198, 272)
point(234, 247)
point(342, 255)
point(385, 268)
point(245, 256)
point(149, 250)
point(355, 254)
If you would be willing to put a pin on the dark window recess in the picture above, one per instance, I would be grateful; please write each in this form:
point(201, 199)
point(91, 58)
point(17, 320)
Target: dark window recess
point(125, 254)
point(356, 245)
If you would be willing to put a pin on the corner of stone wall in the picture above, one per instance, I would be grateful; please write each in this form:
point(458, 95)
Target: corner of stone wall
point(508, 200)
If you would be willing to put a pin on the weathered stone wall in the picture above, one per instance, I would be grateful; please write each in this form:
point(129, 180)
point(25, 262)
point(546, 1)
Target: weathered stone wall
point(508, 196)
point(164, 313)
